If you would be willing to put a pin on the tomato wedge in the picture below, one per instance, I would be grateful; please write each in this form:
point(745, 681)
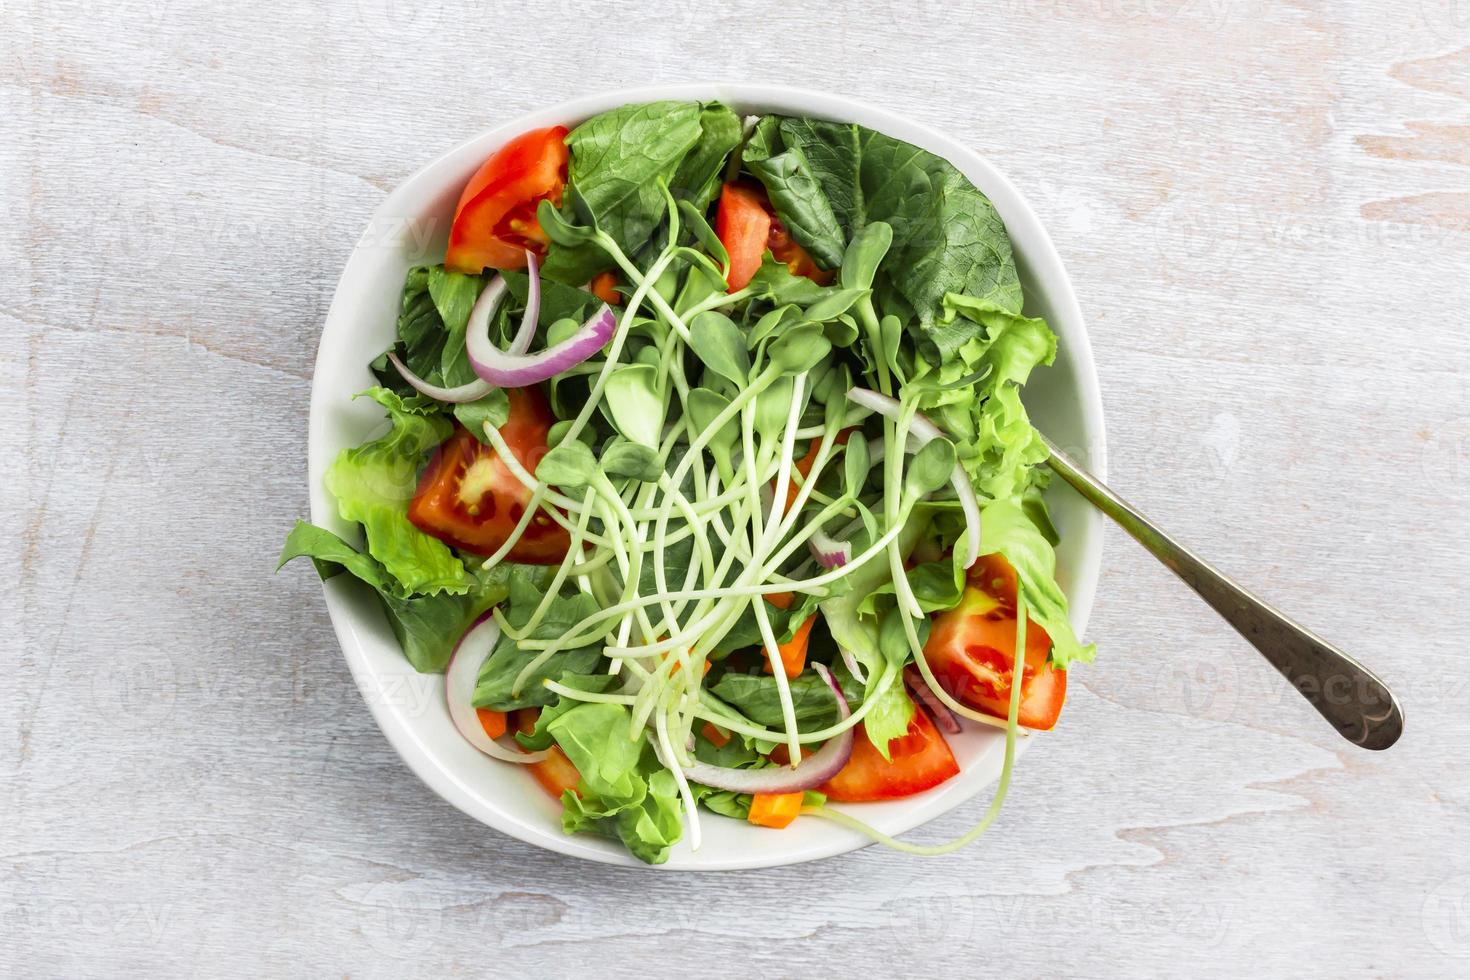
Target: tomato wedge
point(797, 259)
point(972, 651)
point(469, 498)
point(747, 225)
point(555, 773)
point(495, 220)
point(919, 760)
point(743, 225)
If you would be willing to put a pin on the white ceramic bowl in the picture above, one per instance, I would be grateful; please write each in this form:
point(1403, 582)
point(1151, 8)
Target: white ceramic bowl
point(411, 227)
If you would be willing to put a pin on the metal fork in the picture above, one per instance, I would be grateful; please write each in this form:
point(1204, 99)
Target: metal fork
point(1350, 696)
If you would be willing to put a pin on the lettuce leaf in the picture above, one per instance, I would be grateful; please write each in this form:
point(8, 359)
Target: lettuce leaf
point(625, 793)
point(499, 672)
point(427, 627)
point(617, 159)
point(374, 483)
point(1006, 528)
point(947, 238)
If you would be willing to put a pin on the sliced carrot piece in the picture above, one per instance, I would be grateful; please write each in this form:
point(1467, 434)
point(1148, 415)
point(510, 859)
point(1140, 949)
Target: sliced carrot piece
point(717, 738)
point(555, 773)
point(492, 721)
point(774, 809)
point(602, 286)
point(793, 652)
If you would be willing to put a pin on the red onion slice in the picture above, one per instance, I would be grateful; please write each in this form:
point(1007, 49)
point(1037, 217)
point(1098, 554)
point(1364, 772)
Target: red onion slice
point(473, 391)
point(853, 667)
point(828, 551)
point(922, 432)
point(943, 717)
point(459, 690)
point(812, 771)
point(527, 333)
point(509, 370)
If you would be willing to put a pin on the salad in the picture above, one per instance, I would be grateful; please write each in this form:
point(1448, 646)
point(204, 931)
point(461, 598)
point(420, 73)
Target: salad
point(706, 480)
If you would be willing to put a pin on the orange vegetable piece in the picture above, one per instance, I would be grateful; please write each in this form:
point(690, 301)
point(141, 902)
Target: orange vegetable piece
point(774, 809)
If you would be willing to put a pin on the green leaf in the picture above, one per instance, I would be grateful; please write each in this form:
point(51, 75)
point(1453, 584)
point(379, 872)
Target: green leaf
point(770, 323)
point(757, 698)
point(617, 159)
point(889, 717)
point(493, 409)
point(635, 404)
point(799, 349)
point(774, 282)
point(630, 460)
point(454, 295)
point(697, 181)
point(865, 254)
point(1005, 528)
point(771, 408)
point(705, 235)
point(718, 342)
point(373, 485)
point(929, 468)
point(797, 195)
point(539, 738)
point(558, 300)
point(624, 792)
point(704, 407)
point(834, 304)
point(559, 229)
point(947, 236)
point(856, 463)
point(498, 674)
point(568, 464)
point(427, 627)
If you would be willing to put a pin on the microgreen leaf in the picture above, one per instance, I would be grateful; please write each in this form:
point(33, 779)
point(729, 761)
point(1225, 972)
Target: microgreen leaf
point(633, 401)
point(559, 229)
point(493, 409)
point(700, 261)
point(560, 330)
point(704, 233)
point(770, 322)
point(856, 463)
point(890, 332)
point(799, 349)
point(718, 342)
point(629, 459)
point(705, 406)
point(833, 305)
point(559, 430)
point(864, 253)
point(930, 468)
point(569, 464)
point(842, 331)
point(771, 408)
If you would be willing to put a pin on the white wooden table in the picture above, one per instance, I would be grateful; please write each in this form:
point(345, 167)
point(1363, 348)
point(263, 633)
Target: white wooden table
point(1266, 211)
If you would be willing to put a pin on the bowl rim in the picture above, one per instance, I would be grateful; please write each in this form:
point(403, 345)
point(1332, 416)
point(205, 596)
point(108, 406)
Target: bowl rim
point(792, 100)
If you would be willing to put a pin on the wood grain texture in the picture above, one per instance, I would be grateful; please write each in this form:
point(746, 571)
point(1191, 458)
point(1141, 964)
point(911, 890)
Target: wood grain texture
point(1265, 208)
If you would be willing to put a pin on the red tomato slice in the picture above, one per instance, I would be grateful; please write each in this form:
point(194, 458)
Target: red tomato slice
point(555, 773)
point(972, 651)
point(747, 226)
point(469, 498)
point(920, 760)
point(744, 225)
point(495, 220)
point(797, 259)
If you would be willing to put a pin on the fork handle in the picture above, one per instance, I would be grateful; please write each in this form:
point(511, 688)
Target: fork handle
point(1350, 696)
